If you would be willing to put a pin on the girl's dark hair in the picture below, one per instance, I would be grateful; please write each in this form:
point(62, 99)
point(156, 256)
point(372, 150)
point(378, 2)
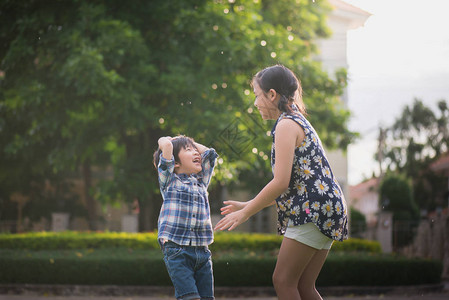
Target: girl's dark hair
point(285, 83)
point(179, 142)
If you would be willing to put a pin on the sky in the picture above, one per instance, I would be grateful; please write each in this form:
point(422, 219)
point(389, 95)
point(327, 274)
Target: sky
point(400, 54)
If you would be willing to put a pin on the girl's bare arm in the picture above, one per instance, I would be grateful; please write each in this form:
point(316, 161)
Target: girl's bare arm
point(288, 135)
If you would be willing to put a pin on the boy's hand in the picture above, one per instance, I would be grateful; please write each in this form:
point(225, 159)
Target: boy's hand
point(163, 141)
point(166, 146)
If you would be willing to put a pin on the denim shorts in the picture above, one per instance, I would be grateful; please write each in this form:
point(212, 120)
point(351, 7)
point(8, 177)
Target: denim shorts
point(190, 270)
point(310, 235)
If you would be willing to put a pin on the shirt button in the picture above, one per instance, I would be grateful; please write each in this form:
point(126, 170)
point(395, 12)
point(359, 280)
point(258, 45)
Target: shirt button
point(194, 215)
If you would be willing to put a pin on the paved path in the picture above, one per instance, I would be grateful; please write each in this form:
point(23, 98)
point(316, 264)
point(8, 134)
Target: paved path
point(58, 292)
point(439, 296)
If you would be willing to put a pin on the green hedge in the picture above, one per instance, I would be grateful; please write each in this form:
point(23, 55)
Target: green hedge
point(379, 270)
point(78, 240)
point(121, 266)
point(223, 241)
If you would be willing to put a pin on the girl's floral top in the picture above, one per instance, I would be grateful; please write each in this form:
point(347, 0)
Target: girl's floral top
point(314, 194)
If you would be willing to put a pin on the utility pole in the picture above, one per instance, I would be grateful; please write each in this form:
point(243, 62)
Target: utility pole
point(380, 150)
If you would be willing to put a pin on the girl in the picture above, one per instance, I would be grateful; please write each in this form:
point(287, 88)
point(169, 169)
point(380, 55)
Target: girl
point(310, 205)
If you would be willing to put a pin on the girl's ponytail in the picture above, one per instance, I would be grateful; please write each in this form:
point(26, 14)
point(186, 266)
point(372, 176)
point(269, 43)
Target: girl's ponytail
point(283, 104)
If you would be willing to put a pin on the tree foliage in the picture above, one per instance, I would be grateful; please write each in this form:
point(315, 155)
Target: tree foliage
point(418, 137)
point(358, 223)
point(396, 195)
point(88, 87)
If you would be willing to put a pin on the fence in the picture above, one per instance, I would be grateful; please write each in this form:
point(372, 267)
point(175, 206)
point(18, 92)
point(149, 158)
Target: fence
point(431, 240)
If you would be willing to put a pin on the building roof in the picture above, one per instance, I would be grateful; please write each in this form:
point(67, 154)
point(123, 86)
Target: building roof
point(361, 189)
point(441, 164)
point(355, 16)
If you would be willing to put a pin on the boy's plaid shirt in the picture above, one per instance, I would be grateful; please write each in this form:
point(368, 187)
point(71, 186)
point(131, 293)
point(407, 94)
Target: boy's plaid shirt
point(185, 213)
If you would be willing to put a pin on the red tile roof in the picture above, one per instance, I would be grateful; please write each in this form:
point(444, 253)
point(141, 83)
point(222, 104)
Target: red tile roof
point(441, 164)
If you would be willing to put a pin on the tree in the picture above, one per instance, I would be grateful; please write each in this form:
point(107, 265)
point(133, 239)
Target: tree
point(96, 83)
point(396, 195)
point(416, 139)
point(67, 72)
point(358, 222)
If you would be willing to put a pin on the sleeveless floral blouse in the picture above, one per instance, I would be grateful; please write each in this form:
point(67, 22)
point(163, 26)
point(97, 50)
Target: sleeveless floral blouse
point(313, 194)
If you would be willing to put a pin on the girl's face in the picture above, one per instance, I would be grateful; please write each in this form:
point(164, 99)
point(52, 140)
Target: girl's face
point(189, 161)
point(266, 103)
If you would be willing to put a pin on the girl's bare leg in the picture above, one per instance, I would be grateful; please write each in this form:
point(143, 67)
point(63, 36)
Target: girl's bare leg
point(292, 262)
point(306, 285)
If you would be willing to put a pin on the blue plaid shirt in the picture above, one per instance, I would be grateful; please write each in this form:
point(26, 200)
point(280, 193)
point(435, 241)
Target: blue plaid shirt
point(185, 213)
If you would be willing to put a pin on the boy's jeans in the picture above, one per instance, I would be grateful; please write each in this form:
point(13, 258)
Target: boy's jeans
point(190, 269)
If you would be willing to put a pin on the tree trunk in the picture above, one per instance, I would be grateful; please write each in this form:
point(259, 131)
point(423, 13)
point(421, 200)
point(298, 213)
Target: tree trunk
point(149, 213)
point(90, 202)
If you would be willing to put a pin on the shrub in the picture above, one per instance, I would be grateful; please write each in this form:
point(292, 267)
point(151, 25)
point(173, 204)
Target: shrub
point(78, 240)
point(381, 270)
point(240, 268)
point(91, 240)
point(357, 245)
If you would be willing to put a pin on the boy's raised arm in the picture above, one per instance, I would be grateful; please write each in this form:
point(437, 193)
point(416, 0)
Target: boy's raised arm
point(166, 147)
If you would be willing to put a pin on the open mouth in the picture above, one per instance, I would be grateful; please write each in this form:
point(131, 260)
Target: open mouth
point(197, 161)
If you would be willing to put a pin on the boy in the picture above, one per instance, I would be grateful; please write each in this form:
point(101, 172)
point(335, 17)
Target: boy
point(184, 226)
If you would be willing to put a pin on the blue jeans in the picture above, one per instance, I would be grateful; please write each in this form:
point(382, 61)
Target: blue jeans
point(190, 270)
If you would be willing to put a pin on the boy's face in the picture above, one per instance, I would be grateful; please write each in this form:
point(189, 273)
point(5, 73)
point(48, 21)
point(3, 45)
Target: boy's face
point(189, 161)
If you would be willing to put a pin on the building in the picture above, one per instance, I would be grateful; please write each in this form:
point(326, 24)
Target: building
point(365, 198)
point(333, 55)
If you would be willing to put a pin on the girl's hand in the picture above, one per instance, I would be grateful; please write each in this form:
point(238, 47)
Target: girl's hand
point(232, 206)
point(231, 220)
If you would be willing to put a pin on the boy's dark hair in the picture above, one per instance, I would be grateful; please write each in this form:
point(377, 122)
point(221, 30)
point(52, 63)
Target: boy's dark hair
point(179, 142)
